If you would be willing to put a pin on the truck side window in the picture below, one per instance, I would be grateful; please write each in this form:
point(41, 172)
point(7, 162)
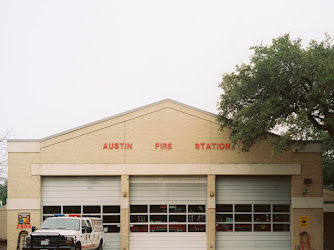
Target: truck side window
point(88, 223)
point(84, 225)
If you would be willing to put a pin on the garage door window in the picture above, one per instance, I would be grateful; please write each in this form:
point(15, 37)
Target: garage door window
point(252, 217)
point(51, 210)
point(167, 218)
point(110, 215)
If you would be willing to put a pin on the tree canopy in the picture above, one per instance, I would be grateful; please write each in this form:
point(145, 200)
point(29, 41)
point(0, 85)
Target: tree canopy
point(3, 192)
point(285, 89)
point(284, 86)
point(3, 167)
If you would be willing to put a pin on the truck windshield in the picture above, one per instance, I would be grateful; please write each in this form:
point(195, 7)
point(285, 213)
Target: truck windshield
point(59, 223)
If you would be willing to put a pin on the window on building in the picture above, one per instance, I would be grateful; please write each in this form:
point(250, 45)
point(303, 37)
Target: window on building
point(252, 217)
point(167, 218)
point(110, 215)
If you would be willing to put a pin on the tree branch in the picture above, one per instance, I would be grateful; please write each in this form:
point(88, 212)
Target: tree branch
point(327, 128)
point(315, 122)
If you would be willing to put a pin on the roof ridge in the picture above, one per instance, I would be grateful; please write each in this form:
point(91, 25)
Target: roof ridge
point(112, 117)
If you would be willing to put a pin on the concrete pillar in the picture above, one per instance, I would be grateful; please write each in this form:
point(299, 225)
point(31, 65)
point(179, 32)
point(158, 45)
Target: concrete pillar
point(125, 212)
point(211, 212)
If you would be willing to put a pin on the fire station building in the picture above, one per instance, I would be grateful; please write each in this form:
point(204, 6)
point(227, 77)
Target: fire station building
point(164, 176)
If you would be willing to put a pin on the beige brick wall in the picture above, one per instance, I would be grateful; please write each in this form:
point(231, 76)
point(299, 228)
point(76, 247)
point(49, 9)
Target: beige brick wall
point(328, 195)
point(315, 228)
point(211, 212)
point(163, 123)
point(21, 184)
point(3, 223)
point(167, 125)
point(311, 169)
point(125, 188)
point(12, 222)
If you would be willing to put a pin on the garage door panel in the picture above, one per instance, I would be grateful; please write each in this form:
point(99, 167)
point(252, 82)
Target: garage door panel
point(112, 241)
point(78, 188)
point(255, 200)
point(168, 187)
point(171, 241)
point(260, 180)
point(167, 179)
point(78, 202)
point(252, 191)
point(239, 189)
point(147, 191)
point(85, 191)
point(82, 181)
point(193, 193)
point(245, 236)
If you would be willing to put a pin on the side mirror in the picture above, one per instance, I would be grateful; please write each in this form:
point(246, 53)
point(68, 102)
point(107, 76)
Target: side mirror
point(89, 229)
point(83, 230)
point(33, 229)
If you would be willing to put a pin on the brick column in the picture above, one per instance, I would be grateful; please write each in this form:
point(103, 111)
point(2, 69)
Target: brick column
point(124, 212)
point(211, 212)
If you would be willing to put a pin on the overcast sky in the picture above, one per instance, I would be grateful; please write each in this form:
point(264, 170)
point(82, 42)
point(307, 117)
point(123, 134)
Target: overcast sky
point(66, 63)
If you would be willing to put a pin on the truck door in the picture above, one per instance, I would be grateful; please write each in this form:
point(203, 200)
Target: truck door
point(83, 237)
point(92, 237)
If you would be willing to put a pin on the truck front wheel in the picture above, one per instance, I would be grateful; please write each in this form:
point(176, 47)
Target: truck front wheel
point(78, 246)
point(100, 246)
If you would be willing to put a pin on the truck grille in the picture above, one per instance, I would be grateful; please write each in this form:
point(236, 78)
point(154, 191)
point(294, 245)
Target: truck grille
point(53, 240)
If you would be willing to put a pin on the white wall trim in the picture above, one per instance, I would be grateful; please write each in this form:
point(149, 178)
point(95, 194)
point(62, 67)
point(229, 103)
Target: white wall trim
point(310, 147)
point(23, 147)
point(24, 203)
point(328, 208)
point(163, 169)
point(307, 202)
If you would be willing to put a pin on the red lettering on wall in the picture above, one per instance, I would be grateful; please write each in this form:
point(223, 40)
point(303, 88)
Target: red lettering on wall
point(163, 145)
point(23, 226)
point(213, 145)
point(120, 145)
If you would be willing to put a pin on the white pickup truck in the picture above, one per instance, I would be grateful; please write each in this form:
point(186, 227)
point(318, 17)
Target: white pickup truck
point(72, 233)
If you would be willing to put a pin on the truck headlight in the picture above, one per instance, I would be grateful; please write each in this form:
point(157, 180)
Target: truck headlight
point(28, 240)
point(69, 240)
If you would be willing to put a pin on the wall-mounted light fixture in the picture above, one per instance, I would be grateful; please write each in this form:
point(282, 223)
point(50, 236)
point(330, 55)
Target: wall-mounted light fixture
point(212, 194)
point(308, 181)
point(125, 194)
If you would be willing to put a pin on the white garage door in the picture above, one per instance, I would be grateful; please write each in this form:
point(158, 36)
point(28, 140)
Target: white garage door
point(167, 213)
point(253, 213)
point(86, 196)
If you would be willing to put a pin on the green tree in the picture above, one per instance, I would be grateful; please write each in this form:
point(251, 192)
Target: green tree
point(3, 167)
point(328, 160)
point(286, 89)
point(3, 192)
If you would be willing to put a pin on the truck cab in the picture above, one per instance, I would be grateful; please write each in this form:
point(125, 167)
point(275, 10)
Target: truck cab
point(67, 233)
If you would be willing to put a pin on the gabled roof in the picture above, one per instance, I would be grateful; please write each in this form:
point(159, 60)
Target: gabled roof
point(112, 117)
